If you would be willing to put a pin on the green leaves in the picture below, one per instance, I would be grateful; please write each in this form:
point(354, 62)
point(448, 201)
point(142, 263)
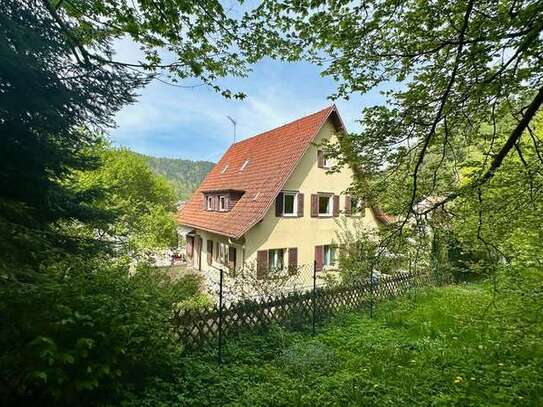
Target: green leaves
point(143, 202)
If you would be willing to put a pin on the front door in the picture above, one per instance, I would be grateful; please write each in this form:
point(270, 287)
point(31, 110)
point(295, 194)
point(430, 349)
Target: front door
point(197, 257)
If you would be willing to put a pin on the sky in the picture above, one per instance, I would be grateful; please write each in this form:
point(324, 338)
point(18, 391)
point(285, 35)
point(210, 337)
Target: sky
point(175, 122)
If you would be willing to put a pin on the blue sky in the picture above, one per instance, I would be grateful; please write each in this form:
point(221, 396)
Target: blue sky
point(174, 122)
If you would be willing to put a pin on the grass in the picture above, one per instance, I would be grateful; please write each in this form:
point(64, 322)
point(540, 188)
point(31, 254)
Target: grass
point(460, 345)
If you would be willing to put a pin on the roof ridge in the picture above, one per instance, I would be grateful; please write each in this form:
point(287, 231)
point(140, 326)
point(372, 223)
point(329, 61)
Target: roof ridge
point(330, 107)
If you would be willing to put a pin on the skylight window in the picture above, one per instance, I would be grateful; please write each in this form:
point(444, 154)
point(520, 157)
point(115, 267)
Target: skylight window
point(244, 165)
point(256, 196)
point(224, 169)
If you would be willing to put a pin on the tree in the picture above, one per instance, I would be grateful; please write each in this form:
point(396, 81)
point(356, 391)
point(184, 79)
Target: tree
point(60, 84)
point(179, 39)
point(455, 69)
point(143, 202)
point(47, 98)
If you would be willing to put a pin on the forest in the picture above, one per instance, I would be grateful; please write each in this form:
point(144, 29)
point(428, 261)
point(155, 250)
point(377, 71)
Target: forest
point(455, 154)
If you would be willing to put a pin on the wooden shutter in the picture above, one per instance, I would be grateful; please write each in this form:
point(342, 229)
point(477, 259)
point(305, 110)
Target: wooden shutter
point(232, 257)
point(261, 264)
point(314, 205)
point(209, 246)
point(320, 159)
point(336, 205)
point(300, 205)
point(348, 209)
point(279, 205)
point(319, 257)
point(292, 260)
point(205, 202)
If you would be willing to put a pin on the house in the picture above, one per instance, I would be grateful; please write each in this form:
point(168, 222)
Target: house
point(270, 201)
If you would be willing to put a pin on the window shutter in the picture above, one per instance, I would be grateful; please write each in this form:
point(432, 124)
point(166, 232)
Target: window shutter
point(314, 205)
point(319, 257)
point(300, 205)
point(205, 202)
point(227, 202)
point(279, 205)
point(209, 251)
point(261, 264)
point(320, 159)
point(292, 260)
point(348, 209)
point(336, 205)
point(232, 257)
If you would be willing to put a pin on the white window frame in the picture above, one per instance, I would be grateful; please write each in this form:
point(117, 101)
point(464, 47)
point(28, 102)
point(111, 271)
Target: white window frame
point(224, 169)
point(222, 203)
point(209, 203)
point(330, 205)
point(274, 257)
point(329, 254)
point(294, 204)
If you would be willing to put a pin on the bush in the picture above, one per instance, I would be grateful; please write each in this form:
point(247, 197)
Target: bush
point(80, 333)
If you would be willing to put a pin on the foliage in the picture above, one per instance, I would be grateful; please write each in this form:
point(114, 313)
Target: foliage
point(47, 100)
point(86, 330)
point(142, 201)
point(458, 345)
point(184, 175)
point(178, 39)
point(464, 85)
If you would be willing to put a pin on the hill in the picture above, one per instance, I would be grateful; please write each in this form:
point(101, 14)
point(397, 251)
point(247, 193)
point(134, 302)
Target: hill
point(185, 175)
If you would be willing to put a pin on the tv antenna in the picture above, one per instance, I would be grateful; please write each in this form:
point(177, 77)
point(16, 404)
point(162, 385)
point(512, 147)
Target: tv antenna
point(235, 124)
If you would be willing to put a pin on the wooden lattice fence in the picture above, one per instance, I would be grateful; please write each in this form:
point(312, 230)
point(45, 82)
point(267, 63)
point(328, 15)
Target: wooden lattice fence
point(295, 309)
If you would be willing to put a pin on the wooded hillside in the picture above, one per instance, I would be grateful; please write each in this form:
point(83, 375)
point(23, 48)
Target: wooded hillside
point(184, 175)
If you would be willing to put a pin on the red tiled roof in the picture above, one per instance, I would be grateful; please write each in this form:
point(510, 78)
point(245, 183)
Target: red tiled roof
point(383, 217)
point(272, 156)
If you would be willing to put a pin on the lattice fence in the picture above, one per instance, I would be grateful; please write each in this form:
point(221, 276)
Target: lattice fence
point(294, 309)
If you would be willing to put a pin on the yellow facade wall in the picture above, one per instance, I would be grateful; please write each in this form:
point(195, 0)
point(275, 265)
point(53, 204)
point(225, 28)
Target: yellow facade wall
point(307, 232)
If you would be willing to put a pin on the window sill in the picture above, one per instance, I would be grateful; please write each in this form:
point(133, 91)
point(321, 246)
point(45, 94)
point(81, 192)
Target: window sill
point(325, 216)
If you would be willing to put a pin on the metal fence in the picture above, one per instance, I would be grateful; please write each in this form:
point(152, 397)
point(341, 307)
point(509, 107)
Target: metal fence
point(290, 308)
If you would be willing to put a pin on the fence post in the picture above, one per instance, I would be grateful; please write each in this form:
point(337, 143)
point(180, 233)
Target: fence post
point(314, 296)
point(220, 315)
point(371, 293)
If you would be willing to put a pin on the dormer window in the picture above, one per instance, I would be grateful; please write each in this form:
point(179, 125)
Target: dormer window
point(221, 201)
point(224, 169)
point(244, 165)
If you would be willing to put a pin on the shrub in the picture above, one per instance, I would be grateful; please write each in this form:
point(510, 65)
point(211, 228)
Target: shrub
point(81, 332)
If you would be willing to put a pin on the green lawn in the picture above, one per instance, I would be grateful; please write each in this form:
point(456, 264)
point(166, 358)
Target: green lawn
point(459, 345)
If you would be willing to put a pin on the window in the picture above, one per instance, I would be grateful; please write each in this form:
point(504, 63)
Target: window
point(325, 205)
point(222, 203)
point(209, 204)
point(289, 204)
point(275, 259)
point(329, 255)
point(244, 165)
point(326, 161)
point(224, 169)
